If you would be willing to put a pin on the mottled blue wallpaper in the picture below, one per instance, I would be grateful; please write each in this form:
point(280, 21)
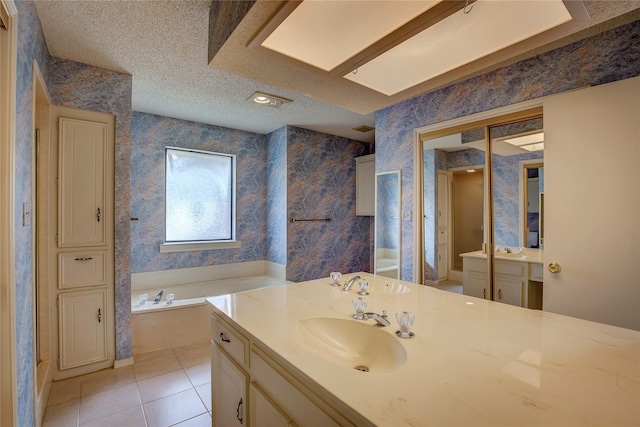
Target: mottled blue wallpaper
point(31, 45)
point(321, 183)
point(150, 135)
point(277, 196)
point(607, 57)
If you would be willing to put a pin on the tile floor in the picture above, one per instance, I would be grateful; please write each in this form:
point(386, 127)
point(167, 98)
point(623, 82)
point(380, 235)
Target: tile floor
point(450, 286)
point(162, 388)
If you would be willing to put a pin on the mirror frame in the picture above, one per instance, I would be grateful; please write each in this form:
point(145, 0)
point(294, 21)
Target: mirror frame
point(485, 118)
point(398, 173)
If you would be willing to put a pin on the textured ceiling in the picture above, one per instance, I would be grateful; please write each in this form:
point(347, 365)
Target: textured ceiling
point(164, 46)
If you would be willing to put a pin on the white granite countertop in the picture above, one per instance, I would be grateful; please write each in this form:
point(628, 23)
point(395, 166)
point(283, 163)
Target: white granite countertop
point(532, 255)
point(472, 362)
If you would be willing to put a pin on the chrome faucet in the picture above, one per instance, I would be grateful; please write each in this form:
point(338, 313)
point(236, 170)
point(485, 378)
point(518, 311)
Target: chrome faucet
point(380, 319)
point(350, 283)
point(158, 297)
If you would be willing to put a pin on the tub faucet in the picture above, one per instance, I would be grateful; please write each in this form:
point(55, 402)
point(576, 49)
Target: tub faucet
point(350, 283)
point(380, 319)
point(158, 297)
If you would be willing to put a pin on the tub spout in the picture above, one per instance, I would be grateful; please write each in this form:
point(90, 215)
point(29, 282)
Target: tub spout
point(158, 297)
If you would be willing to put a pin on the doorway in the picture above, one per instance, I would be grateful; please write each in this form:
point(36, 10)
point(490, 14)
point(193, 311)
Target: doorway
point(468, 213)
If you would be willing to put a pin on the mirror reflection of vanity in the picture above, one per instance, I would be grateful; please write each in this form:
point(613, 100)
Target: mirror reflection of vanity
point(387, 225)
point(587, 221)
point(454, 163)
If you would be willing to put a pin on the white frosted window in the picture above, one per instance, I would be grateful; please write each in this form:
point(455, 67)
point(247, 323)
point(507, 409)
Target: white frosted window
point(199, 196)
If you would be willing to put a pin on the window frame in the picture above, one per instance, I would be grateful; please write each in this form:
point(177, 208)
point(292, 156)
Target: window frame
point(197, 245)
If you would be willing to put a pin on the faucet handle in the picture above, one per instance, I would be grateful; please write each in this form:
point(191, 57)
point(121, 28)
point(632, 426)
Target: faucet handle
point(384, 314)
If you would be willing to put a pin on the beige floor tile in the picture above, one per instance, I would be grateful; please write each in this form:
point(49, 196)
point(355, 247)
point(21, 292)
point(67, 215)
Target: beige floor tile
point(156, 366)
point(199, 374)
point(204, 391)
point(107, 379)
point(108, 402)
point(193, 354)
point(151, 354)
point(133, 417)
point(203, 420)
point(62, 415)
point(62, 391)
point(163, 385)
point(173, 409)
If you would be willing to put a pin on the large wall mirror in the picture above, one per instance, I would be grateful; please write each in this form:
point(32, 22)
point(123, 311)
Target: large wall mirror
point(532, 224)
point(471, 201)
point(387, 225)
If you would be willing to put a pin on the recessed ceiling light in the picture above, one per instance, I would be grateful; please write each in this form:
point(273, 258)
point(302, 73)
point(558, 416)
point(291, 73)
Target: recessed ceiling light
point(268, 99)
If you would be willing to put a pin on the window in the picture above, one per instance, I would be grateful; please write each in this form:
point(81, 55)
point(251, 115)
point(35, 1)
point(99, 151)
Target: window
point(200, 198)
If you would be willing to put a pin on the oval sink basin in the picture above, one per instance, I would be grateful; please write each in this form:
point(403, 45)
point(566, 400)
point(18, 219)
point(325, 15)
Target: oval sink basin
point(391, 288)
point(354, 344)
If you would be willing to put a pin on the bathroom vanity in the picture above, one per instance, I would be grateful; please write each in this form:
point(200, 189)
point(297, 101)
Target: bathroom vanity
point(518, 279)
point(292, 355)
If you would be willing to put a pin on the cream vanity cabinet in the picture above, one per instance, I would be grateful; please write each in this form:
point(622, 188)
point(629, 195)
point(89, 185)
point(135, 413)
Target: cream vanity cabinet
point(365, 185)
point(83, 248)
point(516, 281)
point(475, 277)
point(247, 381)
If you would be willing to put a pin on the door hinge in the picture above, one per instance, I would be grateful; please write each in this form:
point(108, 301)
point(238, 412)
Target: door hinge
point(57, 301)
point(58, 362)
point(56, 238)
point(58, 124)
point(57, 182)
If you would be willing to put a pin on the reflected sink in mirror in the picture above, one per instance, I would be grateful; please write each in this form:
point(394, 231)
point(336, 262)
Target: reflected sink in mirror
point(510, 255)
point(353, 344)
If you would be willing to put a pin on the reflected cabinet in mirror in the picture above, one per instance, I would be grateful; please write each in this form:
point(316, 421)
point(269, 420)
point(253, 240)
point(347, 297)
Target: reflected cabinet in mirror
point(387, 225)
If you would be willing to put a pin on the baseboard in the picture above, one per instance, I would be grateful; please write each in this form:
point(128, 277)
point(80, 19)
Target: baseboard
point(123, 362)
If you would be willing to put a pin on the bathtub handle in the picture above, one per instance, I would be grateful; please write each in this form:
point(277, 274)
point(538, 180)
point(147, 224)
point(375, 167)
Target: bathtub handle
point(223, 338)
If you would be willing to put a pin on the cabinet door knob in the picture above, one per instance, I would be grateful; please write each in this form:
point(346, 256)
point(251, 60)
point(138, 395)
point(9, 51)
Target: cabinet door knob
point(555, 268)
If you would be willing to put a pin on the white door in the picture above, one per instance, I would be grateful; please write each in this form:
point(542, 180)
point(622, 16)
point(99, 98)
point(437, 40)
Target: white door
point(229, 391)
point(592, 203)
point(82, 180)
point(83, 328)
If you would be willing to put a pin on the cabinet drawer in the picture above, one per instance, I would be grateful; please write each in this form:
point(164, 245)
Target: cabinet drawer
point(536, 272)
point(511, 268)
point(236, 345)
point(473, 264)
point(77, 269)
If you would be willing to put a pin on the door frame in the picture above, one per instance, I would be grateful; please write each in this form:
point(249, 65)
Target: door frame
point(8, 61)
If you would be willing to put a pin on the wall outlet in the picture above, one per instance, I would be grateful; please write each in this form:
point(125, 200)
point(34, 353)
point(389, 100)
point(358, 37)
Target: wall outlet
point(406, 215)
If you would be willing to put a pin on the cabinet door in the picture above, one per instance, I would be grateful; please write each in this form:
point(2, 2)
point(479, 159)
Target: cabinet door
point(475, 285)
point(264, 412)
point(443, 199)
point(229, 391)
point(509, 290)
point(443, 265)
point(83, 326)
point(82, 180)
point(365, 184)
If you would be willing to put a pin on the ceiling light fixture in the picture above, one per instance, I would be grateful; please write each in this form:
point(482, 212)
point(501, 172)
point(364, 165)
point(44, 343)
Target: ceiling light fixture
point(269, 100)
point(529, 142)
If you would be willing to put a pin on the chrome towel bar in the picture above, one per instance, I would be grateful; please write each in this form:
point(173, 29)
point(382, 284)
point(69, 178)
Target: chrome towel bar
point(310, 219)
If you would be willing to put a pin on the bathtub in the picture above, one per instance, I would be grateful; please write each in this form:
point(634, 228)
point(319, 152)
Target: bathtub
point(187, 320)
